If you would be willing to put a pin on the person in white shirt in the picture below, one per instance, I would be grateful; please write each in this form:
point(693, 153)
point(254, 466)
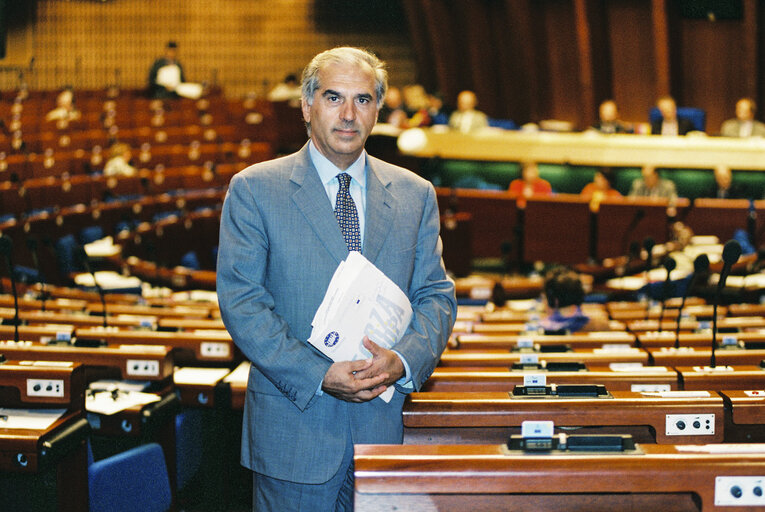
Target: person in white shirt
point(466, 118)
point(744, 125)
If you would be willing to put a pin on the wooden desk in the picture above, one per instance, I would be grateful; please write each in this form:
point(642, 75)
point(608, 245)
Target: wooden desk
point(721, 377)
point(505, 358)
point(688, 324)
point(151, 363)
point(744, 423)
point(491, 417)
point(193, 348)
point(552, 222)
point(489, 478)
point(502, 379)
point(46, 468)
point(37, 332)
point(700, 311)
point(6, 301)
point(691, 356)
point(509, 342)
point(695, 339)
point(588, 149)
point(43, 318)
point(157, 311)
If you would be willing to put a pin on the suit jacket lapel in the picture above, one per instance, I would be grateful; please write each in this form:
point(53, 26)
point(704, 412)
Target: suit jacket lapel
point(310, 198)
point(378, 219)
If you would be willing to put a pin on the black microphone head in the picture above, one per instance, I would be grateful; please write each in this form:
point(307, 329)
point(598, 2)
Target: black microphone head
point(701, 264)
point(6, 245)
point(731, 252)
point(648, 244)
point(669, 263)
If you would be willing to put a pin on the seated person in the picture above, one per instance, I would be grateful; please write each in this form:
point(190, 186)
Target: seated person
point(288, 90)
point(600, 188)
point(416, 104)
point(669, 123)
point(65, 109)
point(466, 118)
point(530, 184)
point(564, 293)
point(392, 111)
point(166, 74)
point(119, 161)
point(653, 185)
point(724, 188)
point(744, 125)
point(609, 119)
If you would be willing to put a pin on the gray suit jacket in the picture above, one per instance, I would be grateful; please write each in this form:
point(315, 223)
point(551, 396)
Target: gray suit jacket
point(279, 246)
point(732, 128)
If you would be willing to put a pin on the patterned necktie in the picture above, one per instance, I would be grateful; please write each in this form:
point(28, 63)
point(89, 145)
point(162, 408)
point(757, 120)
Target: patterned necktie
point(347, 216)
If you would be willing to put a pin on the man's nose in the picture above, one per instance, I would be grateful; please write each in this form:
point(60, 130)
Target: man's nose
point(348, 112)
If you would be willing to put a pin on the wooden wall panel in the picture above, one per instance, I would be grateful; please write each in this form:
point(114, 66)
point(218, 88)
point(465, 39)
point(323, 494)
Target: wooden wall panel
point(244, 45)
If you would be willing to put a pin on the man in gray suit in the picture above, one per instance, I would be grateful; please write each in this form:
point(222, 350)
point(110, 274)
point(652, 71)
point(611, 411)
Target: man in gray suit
point(744, 125)
point(280, 243)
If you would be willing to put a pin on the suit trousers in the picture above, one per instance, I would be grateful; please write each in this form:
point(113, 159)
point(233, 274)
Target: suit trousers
point(336, 495)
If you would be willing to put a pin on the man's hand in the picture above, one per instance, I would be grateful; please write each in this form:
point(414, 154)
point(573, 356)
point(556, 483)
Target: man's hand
point(384, 362)
point(342, 381)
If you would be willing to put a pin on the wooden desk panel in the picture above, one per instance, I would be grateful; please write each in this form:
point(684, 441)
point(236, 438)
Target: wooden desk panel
point(690, 356)
point(501, 379)
point(552, 222)
point(484, 341)
point(740, 377)
point(489, 478)
point(450, 417)
point(506, 358)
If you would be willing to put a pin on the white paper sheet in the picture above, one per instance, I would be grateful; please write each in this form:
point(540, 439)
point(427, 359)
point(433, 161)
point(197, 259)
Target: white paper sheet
point(201, 376)
point(32, 419)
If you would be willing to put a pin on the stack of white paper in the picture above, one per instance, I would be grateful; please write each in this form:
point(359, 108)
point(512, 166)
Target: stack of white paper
point(360, 301)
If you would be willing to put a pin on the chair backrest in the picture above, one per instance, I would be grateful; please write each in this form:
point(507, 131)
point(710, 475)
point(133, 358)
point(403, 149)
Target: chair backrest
point(697, 116)
point(134, 480)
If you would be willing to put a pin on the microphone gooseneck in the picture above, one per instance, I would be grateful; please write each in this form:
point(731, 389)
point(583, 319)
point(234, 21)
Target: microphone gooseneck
point(6, 249)
point(86, 263)
point(669, 264)
point(700, 267)
point(730, 255)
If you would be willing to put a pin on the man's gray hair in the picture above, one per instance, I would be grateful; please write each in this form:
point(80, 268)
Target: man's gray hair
point(344, 55)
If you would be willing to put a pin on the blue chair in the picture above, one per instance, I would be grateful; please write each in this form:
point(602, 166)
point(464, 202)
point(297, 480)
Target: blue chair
point(132, 481)
point(505, 124)
point(188, 445)
point(697, 116)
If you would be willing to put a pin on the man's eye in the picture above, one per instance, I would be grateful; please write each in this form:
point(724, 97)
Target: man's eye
point(333, 99)
point(363, 100)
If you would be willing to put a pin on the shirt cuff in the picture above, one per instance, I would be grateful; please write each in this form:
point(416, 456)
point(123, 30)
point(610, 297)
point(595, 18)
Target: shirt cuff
point(406, 380)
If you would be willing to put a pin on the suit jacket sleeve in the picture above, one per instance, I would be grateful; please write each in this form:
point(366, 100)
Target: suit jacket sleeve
point(247, 306)
point(432, 296)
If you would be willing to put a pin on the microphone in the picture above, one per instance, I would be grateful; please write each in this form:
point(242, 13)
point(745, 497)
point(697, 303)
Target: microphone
point(648, 244)
point(6, 249)
point(700, 266)
point(730, 255)
point(32, 246)
point(636, 218)
point(85, 260)
point(669, 264)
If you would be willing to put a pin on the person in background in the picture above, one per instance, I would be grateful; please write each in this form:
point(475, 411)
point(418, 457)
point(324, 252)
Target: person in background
point(600, 188)
point(653, 185)
point(416, 105)
point(564, 294)
point(466, 118)
point(744, 125)
point(166, 73)
point(608, 121)
point(529, 184)
point(288, 90)
point(286, 225)
point(392, 111)
point(724, 188)
point(119, 161)
point(65, 108)
point(669, 123)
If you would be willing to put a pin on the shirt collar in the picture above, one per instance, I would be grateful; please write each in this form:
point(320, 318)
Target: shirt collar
point(327, 170)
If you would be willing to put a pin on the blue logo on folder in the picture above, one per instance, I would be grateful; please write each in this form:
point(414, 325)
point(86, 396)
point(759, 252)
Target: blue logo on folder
point(331, 339)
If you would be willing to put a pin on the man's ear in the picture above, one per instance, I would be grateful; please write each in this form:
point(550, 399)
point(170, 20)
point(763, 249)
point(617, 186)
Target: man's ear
point(306, 108)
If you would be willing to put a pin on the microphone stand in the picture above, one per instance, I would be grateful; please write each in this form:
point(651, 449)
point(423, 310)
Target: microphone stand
point(6, 247)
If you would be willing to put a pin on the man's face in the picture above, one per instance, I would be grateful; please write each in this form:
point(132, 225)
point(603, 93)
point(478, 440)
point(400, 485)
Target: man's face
point(343, 112)
point(608, 112)
point(744, 110)
point(668, 109)
point(650, 177)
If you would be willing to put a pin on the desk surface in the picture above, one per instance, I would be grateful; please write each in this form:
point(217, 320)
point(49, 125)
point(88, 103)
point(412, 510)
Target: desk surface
point(586, 148)
point(507, 358)
point(466, 477)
